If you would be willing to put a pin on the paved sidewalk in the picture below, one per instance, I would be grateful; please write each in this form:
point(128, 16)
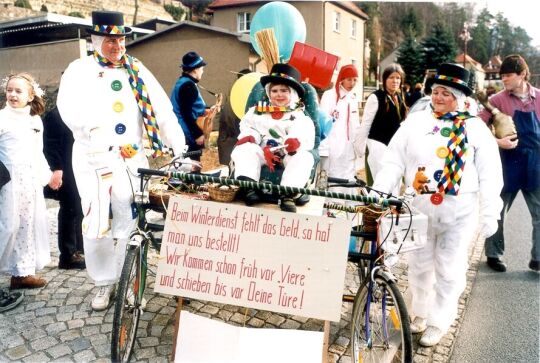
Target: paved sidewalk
point(56, 323)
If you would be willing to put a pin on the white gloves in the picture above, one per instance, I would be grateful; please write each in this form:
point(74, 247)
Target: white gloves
point(488, 227)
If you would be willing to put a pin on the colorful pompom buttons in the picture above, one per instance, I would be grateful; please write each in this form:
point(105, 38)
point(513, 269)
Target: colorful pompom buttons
point(116, 85)
point(442, 152)
point(118, 106)
point(120, 128)
point(436, 198)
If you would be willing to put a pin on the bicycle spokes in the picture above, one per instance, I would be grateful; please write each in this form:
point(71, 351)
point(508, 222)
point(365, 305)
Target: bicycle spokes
point(378, 324)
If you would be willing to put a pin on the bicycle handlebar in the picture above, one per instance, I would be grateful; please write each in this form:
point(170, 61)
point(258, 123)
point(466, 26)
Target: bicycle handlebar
point(346, 182)
point(191, 153)
point(280, 189)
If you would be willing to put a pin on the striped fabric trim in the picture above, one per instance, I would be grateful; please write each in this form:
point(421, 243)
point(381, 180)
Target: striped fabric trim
point(451, 79)
point(110, 29)
point(458, 145)
point(283, 75)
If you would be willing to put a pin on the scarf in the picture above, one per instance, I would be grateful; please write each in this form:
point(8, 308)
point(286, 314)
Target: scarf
point(454, 163)
point(141, 96)
point(277, 112)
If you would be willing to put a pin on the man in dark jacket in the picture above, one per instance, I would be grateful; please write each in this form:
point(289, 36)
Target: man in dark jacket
point(188, 105)
point(57, 147)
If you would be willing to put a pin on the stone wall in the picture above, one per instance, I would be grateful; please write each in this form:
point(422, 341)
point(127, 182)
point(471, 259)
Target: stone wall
point(148, 9)
point(10, 12)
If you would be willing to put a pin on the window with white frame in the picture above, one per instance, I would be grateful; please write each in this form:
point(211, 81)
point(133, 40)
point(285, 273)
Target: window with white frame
point(353, 28)
point(243, 22)
point(337, 21)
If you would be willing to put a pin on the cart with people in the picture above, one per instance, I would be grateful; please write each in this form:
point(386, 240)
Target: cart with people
point(380, 324)
point(276, 160)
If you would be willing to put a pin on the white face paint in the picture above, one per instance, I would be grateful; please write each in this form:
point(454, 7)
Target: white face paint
point(442, 99)
point(292, 97)
point(112, 48)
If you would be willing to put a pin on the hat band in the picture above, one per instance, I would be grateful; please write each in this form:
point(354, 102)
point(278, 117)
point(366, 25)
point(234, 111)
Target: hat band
point(452, 79)
point(283, 75)
point(194, 63)
point(110, 29)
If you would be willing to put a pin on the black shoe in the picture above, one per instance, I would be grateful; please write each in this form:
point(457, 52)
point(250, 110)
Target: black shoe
point(534, 265)
point(286, 204)
point(76, 261)
point(496, 264)
point(9, 300)
point(251, 197)
point(302, 200)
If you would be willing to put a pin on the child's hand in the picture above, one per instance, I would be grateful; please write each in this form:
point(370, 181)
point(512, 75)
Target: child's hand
point(200, 140)
point(56, 180)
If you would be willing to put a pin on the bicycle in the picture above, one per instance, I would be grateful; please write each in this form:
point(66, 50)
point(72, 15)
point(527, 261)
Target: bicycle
point(380, 325)
point(131, 286)
point(129, 301)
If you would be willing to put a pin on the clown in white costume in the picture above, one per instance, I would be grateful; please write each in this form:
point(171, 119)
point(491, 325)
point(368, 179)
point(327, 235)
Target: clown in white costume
point(462, 168)
point(24, 237)
point(340, 151)
point(280, 124)
point(96, 101)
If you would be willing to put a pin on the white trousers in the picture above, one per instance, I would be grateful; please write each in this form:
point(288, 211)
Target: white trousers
point(104, 259)
point(248, 160)
point(375, 159)
point(437, 272)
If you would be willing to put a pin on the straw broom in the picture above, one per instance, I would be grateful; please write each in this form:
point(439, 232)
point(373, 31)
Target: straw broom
point(266, 40)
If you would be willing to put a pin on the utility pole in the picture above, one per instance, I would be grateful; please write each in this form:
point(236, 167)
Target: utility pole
point(136, 11)
point(378, 60)
point(466, 37)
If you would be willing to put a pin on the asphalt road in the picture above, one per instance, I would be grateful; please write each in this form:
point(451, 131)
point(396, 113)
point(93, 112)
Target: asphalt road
point(501, 323)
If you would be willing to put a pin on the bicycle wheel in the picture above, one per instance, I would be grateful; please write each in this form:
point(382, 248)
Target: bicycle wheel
point(127, 309)
point(380, 329)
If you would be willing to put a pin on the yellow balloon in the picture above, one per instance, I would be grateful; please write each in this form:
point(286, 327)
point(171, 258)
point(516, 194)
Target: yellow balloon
point(240, 92)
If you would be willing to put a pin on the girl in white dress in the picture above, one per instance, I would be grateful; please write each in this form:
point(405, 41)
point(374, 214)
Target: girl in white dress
point(24, 238)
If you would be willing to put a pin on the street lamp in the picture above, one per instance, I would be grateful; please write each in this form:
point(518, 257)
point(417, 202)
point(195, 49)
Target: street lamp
point(466, 37)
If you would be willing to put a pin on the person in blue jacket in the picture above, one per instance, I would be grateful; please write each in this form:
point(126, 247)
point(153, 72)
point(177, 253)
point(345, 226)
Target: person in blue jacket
point(187, 102)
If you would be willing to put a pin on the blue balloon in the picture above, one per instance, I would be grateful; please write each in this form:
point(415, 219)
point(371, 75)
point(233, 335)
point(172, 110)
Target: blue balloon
point(288, 24)
point(325, 123)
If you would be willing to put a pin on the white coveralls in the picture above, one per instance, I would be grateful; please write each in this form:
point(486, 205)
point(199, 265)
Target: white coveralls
point(99, 107)
point(340, 151)
point(24, 236)
point(249, 158)
point(437, 273)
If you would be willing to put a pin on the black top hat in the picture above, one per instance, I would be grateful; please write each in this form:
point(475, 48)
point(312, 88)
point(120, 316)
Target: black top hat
point(109, 23)
point(286, 74)
point(452, 75)
point(191, 61)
